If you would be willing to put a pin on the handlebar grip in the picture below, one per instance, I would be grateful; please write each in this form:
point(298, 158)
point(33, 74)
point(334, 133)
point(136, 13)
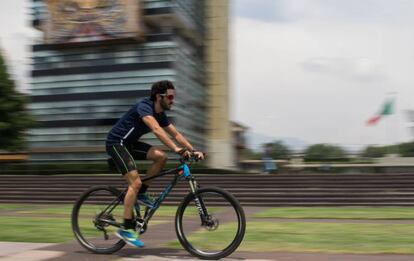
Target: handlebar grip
point(191, 158)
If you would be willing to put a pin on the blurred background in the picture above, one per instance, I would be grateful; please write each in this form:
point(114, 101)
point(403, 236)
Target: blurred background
point(317, 95)
point(296, 81)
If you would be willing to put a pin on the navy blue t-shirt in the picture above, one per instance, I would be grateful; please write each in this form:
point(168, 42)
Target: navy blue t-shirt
point(130, 127)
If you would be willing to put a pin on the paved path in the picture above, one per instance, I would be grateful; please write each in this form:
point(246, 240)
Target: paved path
point(72, 251)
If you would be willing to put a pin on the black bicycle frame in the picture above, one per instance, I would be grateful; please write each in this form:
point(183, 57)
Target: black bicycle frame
point(150, 211)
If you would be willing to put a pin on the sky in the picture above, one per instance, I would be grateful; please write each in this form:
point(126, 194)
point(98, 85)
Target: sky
point(317, 70)
point(16, 35)
point(301, 71)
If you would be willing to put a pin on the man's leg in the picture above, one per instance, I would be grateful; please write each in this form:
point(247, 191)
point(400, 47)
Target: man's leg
point(129, 235)
point(144, 151)
point(159, 158)
point(126, 165)
point(134, 184)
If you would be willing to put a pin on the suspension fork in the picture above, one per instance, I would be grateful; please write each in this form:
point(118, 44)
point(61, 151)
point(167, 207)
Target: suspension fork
point(202, 210)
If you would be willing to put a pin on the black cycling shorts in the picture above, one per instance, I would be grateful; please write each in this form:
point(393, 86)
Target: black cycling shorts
point(124, 156)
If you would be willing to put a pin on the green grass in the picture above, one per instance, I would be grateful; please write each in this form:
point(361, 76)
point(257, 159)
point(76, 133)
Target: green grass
point(51, 223)
point(317, 237)
point(41, 210)
point(41, 226)
point(45, 230)
point(38, 230)
point(13, 207)
point(163, 211)
point(400, 213)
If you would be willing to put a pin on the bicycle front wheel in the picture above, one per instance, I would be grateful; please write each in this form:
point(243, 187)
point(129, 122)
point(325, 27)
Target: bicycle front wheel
point(95, 218)
point(210, 224)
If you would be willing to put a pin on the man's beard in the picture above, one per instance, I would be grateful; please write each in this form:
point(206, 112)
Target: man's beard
point(164, 106)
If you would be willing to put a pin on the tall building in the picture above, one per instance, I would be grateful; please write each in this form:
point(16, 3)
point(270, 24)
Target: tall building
point(99, 57)
point(220, 146)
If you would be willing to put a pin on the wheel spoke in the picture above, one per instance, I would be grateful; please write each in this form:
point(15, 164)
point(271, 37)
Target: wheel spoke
point(219, 232)
point(94, 228)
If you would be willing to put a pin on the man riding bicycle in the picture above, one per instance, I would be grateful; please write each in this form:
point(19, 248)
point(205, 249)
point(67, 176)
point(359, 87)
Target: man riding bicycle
point(124, 147)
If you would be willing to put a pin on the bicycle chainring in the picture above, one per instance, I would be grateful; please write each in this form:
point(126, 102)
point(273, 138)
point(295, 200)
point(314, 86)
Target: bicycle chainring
point(100, 224)
point(141, 226)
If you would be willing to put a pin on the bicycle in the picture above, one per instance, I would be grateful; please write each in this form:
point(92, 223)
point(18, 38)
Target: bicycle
point(98, 213)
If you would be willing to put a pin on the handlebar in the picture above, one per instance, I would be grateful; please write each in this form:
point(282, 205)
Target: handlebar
point(190, 159)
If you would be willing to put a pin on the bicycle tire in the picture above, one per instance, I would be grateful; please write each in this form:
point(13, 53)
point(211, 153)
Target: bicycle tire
point(75, 221)
point(241, 224)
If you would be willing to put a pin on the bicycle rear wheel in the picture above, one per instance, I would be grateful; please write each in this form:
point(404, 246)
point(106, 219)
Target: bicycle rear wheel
point(95, 217)
point(219, 233)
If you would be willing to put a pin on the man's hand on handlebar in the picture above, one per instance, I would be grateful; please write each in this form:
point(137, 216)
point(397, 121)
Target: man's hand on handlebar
point(187, 155)
point(198, 155)
point(184, 153)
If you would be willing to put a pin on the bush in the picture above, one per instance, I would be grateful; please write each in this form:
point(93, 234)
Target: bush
point(406, 149)
point(325, 153)
point(277, 150)
point(374, 152)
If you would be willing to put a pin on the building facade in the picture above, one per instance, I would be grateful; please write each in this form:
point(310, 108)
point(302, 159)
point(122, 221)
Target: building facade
point(86, 75)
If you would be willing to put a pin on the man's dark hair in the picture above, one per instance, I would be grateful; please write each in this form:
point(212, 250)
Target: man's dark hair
point(160, 87)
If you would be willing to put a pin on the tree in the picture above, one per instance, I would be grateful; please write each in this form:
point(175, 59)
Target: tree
point(277, 150)
point(406, 149)
point(374, 152)
point(248, 154)
point(14, 119)
point(325, 152)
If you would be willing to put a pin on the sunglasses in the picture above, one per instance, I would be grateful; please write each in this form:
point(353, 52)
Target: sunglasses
point(169, 97)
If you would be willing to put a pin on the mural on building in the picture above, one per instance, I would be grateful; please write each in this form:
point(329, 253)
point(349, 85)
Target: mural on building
point(91, 20)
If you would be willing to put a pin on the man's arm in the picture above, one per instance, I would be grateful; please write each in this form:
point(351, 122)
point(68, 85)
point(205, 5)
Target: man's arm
point(152, 123)
point(178, 137)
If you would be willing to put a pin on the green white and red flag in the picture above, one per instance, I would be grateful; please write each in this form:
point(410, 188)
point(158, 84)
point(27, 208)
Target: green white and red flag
point(386, 109)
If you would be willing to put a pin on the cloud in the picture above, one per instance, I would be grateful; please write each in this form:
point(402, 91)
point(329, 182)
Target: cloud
point(345, 11)
point(263, 10)
point(360, 69)
point(378, 12)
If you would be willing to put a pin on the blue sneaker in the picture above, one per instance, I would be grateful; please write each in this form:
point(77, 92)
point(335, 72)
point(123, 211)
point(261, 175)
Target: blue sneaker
point(130, 237)
point(145, 199)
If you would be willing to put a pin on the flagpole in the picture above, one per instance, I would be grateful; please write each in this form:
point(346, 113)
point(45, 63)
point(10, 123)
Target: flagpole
point(386, 111)
point(392, 96)
point(388, 135)
point(396, 122)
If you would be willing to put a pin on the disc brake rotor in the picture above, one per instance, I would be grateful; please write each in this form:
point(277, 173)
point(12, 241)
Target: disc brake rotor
point(212, 223)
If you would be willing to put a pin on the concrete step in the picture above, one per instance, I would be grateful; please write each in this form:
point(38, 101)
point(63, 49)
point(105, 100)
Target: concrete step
point(254, 190)
point(238, 193)
point(185, 189)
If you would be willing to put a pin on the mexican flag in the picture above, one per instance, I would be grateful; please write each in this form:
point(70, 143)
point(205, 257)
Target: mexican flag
point(386, 109)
